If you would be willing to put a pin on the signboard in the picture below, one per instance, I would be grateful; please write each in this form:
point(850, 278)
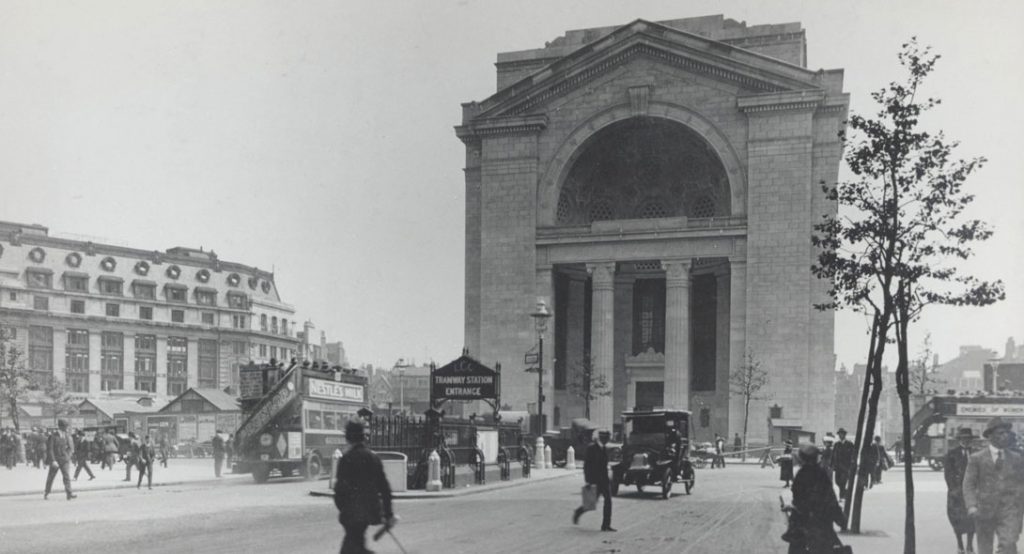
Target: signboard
point(464, 379)
point(990, 410)
point(250, 383)
point(531, 358)
point(330, 390)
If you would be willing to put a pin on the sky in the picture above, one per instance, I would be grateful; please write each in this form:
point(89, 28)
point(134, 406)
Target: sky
point(316, 138)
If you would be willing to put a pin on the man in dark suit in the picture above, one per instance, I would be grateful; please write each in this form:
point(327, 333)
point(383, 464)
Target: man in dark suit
point(842, 461)
point(82, 455)
point(595, 472)
point(145, 460)
point(59, 451)
point(994, 490)
point(361, 491)
point(954, 466)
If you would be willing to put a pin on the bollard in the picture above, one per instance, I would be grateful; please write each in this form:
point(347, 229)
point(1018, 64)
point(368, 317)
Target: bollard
point(570, 458)
point(334, 467)
point(434, 472)
point(547, 457)
point(538, 454)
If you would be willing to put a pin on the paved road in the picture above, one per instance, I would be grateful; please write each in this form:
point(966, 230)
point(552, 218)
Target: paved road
point(734, 510)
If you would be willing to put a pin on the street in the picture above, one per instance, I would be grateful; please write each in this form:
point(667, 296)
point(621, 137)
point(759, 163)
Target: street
point(731, 510)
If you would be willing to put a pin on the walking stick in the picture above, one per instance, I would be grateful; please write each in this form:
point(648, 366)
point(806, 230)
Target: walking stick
point(387, 529)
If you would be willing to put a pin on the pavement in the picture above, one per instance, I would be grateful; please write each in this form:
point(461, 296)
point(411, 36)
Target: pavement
point(28, 480)
point(536, 476)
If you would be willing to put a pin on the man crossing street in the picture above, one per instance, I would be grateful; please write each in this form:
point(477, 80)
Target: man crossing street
point(59, 450)
point(595, 473)
point(842, 461)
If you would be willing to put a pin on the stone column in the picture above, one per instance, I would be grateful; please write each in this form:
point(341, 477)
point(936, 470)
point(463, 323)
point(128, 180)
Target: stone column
point(128, 361)
point(192, 357)
point(60, 343)
point(677, 333)
point(720, 416)
point(95, 361)
point(546, 292)
point(161, 365)
point(602, 338)
point(738, 335)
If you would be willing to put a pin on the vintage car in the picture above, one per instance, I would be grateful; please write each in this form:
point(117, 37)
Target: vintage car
point(655, 452)
point(578, 435)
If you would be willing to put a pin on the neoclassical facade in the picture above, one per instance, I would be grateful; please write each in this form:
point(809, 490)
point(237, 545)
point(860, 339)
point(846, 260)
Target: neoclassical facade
point(656, 184)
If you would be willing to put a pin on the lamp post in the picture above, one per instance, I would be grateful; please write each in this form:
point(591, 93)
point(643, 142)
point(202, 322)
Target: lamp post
point(540, 321)
point(400, 365)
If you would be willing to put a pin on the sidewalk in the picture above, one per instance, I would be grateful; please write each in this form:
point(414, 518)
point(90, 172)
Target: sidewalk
point(536, 476)
point(25, 480)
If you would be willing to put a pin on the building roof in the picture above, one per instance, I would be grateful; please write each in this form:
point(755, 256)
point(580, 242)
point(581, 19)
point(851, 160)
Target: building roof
point(219, 399)
point(113, 406)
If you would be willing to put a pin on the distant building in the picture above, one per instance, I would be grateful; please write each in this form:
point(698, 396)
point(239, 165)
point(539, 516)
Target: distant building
point(105, 318)
point(849, 390)
point(1006, 373)
point(965, 372)
point(335, 353)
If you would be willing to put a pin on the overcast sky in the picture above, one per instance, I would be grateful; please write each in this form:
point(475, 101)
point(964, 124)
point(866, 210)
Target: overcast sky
point(315, 138)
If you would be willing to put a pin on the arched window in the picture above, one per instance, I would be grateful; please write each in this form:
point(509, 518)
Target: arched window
point(263, 322)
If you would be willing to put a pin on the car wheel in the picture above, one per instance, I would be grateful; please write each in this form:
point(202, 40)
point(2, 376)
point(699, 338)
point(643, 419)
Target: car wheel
point(666, 484)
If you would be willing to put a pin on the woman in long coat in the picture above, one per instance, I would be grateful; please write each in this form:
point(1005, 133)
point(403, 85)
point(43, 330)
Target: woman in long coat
point(785, 462)
point(815, 508)
point(954, 467)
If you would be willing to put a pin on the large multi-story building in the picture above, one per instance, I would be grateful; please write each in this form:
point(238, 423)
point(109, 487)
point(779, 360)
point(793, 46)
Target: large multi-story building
point(103, 317)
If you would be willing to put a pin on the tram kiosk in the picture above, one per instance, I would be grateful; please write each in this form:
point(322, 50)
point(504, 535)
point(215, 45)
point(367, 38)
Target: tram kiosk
point(295, 417)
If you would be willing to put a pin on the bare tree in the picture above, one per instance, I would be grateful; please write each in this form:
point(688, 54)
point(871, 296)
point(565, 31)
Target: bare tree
point(747, 381)
point(896, 249)
point(923, 378)
point(14, 377)
point(586, 386)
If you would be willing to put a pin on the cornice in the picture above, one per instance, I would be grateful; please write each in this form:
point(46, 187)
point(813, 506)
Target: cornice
point(800, 100)
point(501, 126)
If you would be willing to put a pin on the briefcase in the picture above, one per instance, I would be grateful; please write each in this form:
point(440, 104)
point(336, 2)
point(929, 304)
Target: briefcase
point(589, 497)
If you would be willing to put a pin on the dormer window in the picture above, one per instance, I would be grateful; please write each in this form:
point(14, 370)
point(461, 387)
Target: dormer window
point(39, 278)
point(206, 296)
point(238, 301)
point(110, 285)
point(176, 293)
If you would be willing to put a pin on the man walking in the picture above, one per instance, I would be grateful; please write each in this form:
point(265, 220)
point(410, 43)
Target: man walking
point(131, 455)
point(145, 462)
point(59, 450)
point(842, 461)
point(361, 491)
point(595, 473)
point(82, 455)
point(994, 490)
point(720, 450)
point(218, 452)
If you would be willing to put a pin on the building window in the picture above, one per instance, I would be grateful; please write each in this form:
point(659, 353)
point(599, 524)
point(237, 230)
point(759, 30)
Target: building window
point(39, 279)
point(263, 322)
point(178, 316)
point(13, 295)
point(41, 303)
point(177, 365)
point(144, 290)
point(208, 364)
point(145, 363)
point(207, 318)
point(238, 321)
point(176, 294)
point(76, 283)
point(263, 351)
point(113, 310)
point(112, 361)
point(40, 353)
point(206, 298)
point(109, 286)
point(284, 326)
point(240, 348)
point(76, 360)
point(78, 306)
point(145, 312)
point(238, 301)
point(273, 325)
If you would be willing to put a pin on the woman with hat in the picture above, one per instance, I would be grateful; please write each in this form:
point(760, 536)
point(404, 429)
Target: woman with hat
point(815, 508)
point(786, 464)
point(954, 467)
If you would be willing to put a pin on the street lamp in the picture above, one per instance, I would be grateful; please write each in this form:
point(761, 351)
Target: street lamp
point(400, 365)
point(540, 322)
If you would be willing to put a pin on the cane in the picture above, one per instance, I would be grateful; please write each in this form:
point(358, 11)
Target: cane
point(387, 529)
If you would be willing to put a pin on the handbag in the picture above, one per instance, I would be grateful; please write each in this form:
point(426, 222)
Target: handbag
point(589, 497)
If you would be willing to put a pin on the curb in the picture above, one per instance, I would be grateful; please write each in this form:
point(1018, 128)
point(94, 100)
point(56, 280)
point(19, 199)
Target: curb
point(473, 489)
point(59, 489)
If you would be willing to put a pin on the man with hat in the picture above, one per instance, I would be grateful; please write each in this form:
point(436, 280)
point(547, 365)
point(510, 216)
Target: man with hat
point(826, 454)
point(994, 490)
point(842, 461)
point(815, 508)
point(59, 450)
point(595, 473)
point(361, 491)
point(955, 466)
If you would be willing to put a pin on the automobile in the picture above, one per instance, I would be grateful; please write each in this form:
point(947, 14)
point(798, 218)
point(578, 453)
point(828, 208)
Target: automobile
point(578, 435)
point(656, 452)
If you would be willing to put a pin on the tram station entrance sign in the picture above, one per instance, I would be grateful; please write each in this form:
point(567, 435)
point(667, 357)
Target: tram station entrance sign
point(465, 379)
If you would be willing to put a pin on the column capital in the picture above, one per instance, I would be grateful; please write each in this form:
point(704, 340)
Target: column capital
point(677, 272)
point(603, 274)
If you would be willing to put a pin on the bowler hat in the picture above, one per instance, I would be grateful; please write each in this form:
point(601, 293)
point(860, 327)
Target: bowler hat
point(841, 431)
point(354, 431)
point(965, 433)
point(995, 423)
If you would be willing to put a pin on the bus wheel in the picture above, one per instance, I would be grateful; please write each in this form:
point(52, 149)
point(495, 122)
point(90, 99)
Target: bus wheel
point(313, 467)
point(260, 473)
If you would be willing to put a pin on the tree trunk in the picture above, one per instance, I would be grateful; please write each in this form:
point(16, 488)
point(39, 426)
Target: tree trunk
point(873, 378)
point(746, 417)
point(903, 389)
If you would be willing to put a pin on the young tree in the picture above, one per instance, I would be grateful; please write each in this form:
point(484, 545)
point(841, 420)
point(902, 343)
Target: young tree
point(895, 249)
point(923, 378)
point(14, 377)
point(61, 402)
point(587, 386)
point(747, 381)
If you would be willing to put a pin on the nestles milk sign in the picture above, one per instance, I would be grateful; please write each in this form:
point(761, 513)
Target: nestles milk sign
point(990, 410)
point(318, 388)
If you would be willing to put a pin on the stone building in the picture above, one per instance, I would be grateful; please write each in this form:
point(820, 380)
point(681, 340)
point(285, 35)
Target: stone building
point(103, 317)
point(656, 184)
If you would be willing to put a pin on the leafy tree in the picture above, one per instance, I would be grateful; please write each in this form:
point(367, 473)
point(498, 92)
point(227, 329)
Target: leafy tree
point(896, 247)
point(14, 377)
point(587, 386)
point(61, 402)
point(747, 381)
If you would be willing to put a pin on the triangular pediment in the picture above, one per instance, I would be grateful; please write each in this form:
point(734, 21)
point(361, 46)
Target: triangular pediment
point(753, 73)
